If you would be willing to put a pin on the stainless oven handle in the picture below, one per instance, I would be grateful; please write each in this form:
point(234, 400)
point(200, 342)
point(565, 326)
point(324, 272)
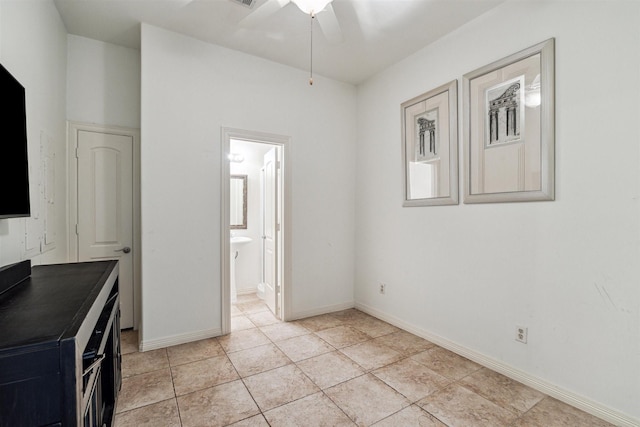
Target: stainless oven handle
point(94, 364)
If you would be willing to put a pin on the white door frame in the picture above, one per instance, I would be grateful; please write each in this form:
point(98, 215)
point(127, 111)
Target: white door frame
point(286, 228)
point(72, 238)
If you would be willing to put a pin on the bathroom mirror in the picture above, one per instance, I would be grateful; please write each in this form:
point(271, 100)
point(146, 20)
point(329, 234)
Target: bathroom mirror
point(238, 202)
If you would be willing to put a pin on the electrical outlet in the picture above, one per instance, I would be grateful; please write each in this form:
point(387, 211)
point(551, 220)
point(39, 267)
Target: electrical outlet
point(383, 288)
point(521, 334)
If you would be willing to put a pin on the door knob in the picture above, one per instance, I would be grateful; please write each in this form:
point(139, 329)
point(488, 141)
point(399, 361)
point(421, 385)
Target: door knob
point(126, 250)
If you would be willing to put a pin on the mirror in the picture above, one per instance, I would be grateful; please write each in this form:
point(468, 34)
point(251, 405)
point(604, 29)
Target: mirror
point(238, 202)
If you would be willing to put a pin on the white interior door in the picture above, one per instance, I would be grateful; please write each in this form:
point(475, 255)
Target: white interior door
point(105, 207)
point(270, 230)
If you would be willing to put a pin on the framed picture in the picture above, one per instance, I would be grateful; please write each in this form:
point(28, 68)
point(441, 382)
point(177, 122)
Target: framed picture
point(430, 147)
point(509, 128)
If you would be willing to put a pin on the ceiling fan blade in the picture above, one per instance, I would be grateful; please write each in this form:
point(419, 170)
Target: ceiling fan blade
point(263, 12)
point(329, 25)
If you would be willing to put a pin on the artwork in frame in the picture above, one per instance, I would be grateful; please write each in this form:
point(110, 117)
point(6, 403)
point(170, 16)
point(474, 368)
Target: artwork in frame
point(430, 147)
point(509, 128)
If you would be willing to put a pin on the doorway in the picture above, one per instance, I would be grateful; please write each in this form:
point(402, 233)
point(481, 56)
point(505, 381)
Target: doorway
point(256, 217)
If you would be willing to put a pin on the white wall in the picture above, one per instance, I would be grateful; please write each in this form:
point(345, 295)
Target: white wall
point(249, 261)
point(567, 269)
point(190, 90)
point(33, 48)
point(103, 83)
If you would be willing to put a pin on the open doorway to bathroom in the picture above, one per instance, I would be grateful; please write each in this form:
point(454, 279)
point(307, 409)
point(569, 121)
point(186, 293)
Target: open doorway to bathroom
point(256, 217)
point(254, 220)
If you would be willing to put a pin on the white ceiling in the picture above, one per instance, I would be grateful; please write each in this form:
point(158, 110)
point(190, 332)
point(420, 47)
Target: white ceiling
point(376, 33)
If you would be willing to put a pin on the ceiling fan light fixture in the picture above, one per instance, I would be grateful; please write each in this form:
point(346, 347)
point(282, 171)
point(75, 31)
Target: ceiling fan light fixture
point(311, 6)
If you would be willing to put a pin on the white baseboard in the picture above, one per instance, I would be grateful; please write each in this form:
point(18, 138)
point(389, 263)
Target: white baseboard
point(163, 342)
point(566, 396)
point(321, 310)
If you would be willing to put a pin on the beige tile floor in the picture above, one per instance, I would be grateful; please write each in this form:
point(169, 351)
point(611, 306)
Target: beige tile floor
point(339, 369)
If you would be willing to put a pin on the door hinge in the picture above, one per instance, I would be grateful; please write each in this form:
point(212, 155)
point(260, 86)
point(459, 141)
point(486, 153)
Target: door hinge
point(278, 164)
point(277, 227)
point(77, 229)
point(77, 155)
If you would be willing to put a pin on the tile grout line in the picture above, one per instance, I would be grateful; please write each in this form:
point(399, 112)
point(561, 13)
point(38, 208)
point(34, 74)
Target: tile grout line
point(173, 385)
point(245, 386)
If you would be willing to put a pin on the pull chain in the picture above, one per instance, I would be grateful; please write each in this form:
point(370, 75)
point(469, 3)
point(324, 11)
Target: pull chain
point(311, 51)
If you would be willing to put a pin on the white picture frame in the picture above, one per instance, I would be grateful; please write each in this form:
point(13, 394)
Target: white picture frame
point(430, 147)
point(509, 128)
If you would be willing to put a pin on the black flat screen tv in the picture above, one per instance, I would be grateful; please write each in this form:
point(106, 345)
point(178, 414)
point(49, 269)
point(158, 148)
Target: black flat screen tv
point(14, 169)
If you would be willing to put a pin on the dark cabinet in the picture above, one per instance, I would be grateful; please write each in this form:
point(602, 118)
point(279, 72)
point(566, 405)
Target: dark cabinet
point(60, 358)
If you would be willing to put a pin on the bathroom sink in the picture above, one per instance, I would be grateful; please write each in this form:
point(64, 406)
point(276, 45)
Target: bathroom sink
point(240, 239)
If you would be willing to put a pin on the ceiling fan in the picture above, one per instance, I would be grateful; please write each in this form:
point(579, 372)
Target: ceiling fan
point(322, 10)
